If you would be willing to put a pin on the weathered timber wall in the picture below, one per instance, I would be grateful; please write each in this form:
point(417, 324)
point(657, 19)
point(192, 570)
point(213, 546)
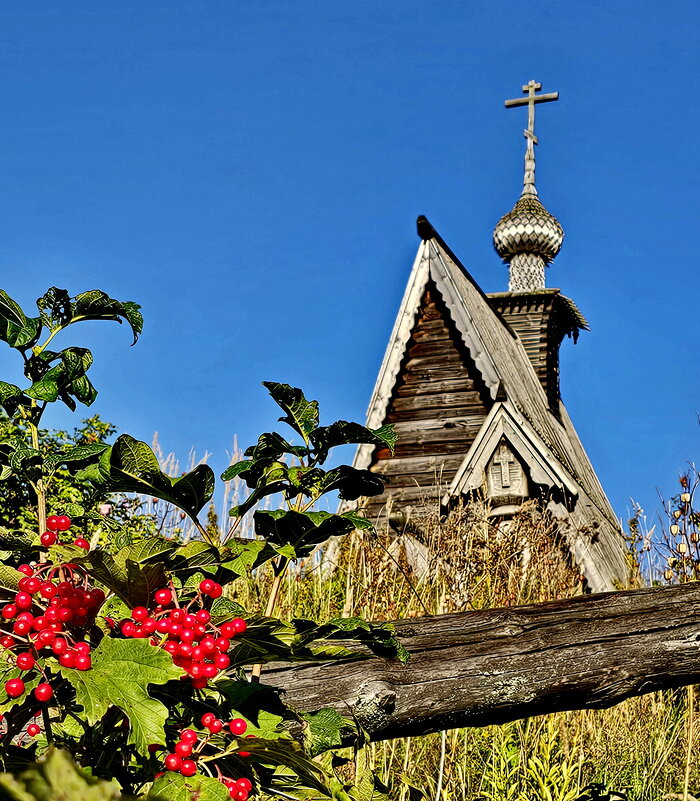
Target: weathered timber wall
point(492, 666)
point(438, 406)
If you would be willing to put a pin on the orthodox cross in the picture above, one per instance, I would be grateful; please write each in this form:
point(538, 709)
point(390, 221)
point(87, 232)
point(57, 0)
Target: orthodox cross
point(504, 460)
point(529, 89)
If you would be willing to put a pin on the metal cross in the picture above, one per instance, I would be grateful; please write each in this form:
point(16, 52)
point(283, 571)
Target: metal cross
point(529, 89)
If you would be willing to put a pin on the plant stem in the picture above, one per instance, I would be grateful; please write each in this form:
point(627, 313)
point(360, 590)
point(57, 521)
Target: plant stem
point(689, 746)
point(279, 569)
point(203, 532)
point(47, 725)
point(40, 488)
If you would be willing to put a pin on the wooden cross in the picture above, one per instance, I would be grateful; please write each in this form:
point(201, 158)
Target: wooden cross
point(530, 89)
point(504, 460)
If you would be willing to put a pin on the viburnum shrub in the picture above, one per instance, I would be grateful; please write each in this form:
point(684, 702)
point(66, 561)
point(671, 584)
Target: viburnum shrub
point(135, 657)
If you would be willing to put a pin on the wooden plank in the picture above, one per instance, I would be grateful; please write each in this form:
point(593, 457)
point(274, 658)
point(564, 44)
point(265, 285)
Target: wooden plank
point(446, 400)
point(493, 666)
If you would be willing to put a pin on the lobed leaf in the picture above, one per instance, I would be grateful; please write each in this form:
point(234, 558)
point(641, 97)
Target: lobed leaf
point(121, 673)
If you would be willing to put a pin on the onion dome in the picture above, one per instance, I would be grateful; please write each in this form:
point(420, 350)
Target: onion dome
point(527, 239)
point(528, 228)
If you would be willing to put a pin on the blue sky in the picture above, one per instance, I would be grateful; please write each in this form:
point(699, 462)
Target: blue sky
point(251, 174)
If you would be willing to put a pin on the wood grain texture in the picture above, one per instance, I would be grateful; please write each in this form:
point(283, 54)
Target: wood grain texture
point(493, 666)
point(438, 405)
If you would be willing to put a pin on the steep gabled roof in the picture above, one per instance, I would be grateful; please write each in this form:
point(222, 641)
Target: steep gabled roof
point(511, 380)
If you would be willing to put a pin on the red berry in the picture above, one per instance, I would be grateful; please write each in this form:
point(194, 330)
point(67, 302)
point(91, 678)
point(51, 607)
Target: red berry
point(207, 586)
point(32, 584)
point(48, 538)
point(67, 659)
point(83, 662)
point(199, 684)
point(14, 687)
point(7, 641)
point(33, 730)
point(188, 736)
point(26, 569)
point(203, 616)
point(173, 762)
point(188, 767)
point(82, 543)
point(128, 628)
point(222, 644)
point(183, 749)
point(43, 692)
point(245, 784)
point(207, 718)
point(239, 794)
point(238, 726)
point(25, 661)
point(62, 523)
point(164, 597)
point(139, 613)
point(9, 611)
point(23, 600)
point(22, 627)
point(239, 625)
point(52, 523)
point(60, 646)
point(154, 748)
point(215, 726)
point(48, 590)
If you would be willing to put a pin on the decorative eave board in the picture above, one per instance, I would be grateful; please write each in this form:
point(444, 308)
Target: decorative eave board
point(505, 422)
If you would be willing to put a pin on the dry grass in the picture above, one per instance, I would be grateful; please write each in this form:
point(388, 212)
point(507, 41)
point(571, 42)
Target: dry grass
point(637, 748)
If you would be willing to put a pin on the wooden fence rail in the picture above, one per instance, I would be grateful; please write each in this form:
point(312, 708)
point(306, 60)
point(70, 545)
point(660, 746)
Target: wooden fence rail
point(492, 666)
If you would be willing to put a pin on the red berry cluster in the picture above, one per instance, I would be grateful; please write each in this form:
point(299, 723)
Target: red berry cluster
point(190, 746)
point(51, 612)
point(60, 524)
point(187, 633)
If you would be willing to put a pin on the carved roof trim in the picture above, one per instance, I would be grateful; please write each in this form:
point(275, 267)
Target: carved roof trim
point(505, 422)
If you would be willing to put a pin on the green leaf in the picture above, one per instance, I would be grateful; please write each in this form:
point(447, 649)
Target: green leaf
point(21, 336)
point(66, 379)
point(121, 673)
point(301, 414)
point(303, 531)
point(27, 462)
point(11, 398)
point(9, 578)
point(55, 308)
point(327, 729)
point(344, 433)
point(235, 470)
point(15, 540)
point(131, 466)
point(360, 523)
point(10, 310)
point(223, 609)
point(97, 305)
point(56, 777)
point(244, 555)
point(75, 458)
point(133, 573)
point(175, 787)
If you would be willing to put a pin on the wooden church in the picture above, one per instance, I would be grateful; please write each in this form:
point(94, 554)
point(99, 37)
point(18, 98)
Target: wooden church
point(470, 381)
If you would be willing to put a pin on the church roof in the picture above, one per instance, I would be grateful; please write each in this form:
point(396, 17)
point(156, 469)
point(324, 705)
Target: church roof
point(548, 441)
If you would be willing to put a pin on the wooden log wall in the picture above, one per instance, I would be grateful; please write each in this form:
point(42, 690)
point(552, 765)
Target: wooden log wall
point(438, 406)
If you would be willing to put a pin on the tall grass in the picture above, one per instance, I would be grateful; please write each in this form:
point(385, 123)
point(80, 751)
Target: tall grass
point(638, 749)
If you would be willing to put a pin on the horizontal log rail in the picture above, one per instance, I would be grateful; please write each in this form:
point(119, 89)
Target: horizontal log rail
point(492, 666)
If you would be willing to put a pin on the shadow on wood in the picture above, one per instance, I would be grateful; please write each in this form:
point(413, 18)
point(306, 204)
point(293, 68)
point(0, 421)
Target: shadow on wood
point(493, 666)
